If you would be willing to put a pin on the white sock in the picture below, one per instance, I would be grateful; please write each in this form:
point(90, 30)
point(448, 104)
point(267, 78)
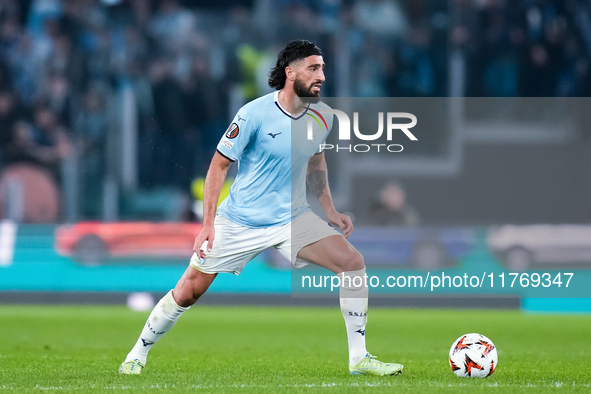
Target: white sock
point(353, 299)
point(163, 317)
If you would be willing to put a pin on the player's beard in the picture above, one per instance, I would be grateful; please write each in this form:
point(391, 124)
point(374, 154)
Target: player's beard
point(302, 91)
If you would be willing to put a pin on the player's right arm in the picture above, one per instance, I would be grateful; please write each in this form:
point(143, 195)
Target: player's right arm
point(229, 150)
point(214, 181)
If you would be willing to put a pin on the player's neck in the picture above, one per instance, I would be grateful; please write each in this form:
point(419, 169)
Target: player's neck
point(290, 101)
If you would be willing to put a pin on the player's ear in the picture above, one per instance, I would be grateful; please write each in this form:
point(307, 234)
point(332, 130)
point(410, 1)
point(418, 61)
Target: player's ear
point(290, 73)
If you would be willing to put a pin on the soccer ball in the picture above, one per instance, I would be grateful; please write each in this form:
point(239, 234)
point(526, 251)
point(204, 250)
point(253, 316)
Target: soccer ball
point(473, 355)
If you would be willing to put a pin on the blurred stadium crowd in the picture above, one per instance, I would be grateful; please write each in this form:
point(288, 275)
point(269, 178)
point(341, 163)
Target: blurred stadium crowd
point(191, 64)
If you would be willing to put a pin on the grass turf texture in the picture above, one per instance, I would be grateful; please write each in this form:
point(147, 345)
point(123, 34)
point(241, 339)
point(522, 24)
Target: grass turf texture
point(250, 349)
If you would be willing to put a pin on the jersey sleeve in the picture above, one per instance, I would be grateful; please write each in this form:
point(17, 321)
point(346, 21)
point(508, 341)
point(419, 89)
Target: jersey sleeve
point(237, 136)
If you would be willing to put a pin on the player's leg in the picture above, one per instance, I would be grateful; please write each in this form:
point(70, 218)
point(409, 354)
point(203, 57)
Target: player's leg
point(335, 253)
point(338, 255)
point(192, 285)
point(234, 247)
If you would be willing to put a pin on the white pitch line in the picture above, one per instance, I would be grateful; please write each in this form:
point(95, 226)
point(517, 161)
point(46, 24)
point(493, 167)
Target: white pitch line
point(304, 385)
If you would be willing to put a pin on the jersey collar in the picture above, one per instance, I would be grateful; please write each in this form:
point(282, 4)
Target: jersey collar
point(276, 99)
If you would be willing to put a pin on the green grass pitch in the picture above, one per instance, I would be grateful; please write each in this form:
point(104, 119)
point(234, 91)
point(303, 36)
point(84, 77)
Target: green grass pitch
point(265, 349)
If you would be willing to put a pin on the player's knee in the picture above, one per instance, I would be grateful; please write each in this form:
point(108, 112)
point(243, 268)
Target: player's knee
point(186, 293)
point(184, 298)
point(352, 261)
point(357, 261)
point(192, 285)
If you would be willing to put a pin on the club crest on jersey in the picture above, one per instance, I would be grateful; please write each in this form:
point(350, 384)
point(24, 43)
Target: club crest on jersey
point(232, 131)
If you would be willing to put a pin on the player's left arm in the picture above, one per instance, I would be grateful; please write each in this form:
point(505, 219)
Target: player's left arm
point(317, 179)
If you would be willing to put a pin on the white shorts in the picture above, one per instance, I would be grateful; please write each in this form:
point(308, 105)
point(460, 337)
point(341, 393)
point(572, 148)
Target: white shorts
point(235, 245)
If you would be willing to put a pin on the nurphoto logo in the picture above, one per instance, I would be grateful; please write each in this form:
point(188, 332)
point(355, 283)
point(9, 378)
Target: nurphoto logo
point(392, 125)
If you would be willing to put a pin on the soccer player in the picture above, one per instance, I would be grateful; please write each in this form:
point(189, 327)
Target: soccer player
point(267, 207)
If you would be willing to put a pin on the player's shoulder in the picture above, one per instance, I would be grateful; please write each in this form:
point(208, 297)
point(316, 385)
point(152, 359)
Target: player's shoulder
point(250, 116)
point(258, 106)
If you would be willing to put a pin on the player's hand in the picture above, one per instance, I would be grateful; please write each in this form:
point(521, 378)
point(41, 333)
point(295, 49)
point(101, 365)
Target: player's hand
point(204, 241)
point(341, 221)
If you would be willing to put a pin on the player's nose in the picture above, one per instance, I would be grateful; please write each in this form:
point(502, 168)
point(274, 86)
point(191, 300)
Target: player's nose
point(321, 76)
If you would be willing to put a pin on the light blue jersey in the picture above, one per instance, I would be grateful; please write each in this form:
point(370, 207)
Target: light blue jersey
point(260, 140)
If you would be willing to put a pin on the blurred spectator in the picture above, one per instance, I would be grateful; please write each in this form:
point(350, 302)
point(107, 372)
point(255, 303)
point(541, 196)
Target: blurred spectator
point(9, 114)
point(146, 121)
point(22, 147)
point(255, 65)
point(391, 208)
point(25, 69)
point(90, 133)
point(44, 41)
point(372, 70)
point(50, 139)
point(463, 25)
point(101, 62)
point(380, 17)
point(415, 69)
point(298, 16)
point(67, 60)
point(8, 9)
point(329, 11)
point(40, 11)
point(496, 62)
point(5, 75)
point(10, 35)
point(171, 155)
point(416, 74)
point(141, 12)
point(172, 27)
point(538, 77)
point(58, 97)
point(205, 106)
point(131, 46)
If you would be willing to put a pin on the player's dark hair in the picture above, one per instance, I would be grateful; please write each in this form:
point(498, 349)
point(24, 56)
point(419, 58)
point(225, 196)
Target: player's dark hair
point(295, 50)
